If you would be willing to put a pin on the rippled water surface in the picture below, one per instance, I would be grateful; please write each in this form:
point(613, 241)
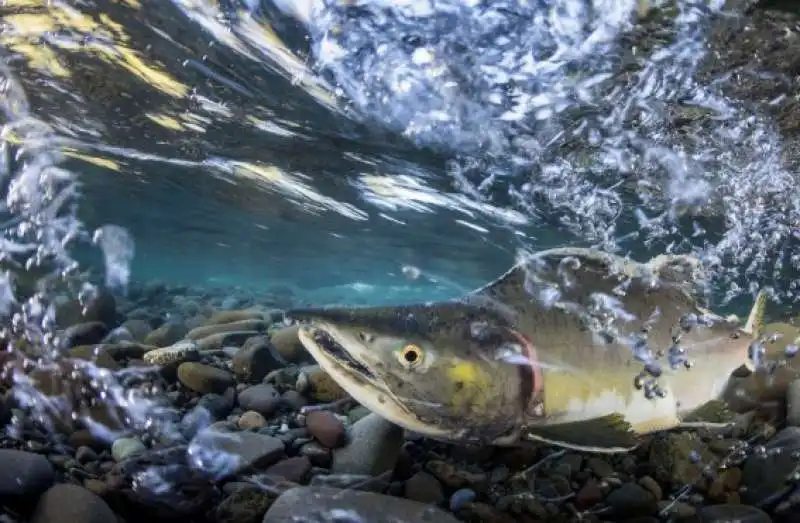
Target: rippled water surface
point(370, 152)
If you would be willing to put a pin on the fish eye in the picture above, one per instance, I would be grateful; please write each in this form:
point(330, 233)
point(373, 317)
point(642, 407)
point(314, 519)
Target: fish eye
point(410, 355)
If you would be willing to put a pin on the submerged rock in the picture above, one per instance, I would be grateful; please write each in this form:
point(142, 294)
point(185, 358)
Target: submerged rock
point(373, 447)
point(317, 503)
point(66, 503)
point(24, 473)
point(204, 378)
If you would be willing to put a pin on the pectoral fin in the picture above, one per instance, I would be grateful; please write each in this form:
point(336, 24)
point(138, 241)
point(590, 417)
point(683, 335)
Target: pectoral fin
point(713, 414)
point(608, 434)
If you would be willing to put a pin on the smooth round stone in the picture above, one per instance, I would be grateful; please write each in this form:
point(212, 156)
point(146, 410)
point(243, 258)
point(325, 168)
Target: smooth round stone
point(24, 473)
point(460, 498)
point(326, 428)
point(204, 378)
point(67, 503)
point(793, 404)
point(263, 399)
point(125, 448)
point(738, 513)
point(252, 420)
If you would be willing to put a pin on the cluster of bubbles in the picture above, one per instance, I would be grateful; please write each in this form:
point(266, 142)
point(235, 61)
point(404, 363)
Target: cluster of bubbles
point(567, 110)
point(48, 393)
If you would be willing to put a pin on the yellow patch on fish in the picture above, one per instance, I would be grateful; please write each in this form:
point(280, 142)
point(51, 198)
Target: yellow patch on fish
point(475, 385)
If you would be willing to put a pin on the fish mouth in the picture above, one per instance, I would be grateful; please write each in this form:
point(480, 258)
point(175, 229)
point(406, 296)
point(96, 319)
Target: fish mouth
point(335, 351)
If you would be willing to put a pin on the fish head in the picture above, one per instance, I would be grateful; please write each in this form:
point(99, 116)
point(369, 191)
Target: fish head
point(447, 371)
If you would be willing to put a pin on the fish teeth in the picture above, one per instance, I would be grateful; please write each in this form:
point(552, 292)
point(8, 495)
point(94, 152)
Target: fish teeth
point(181, 351)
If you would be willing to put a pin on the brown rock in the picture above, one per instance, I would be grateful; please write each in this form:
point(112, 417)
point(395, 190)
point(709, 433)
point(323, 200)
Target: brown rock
point(251, 420)
point(204, 378)
point(288, 345)
point(589, 495)
point(166, 335)
point(256, 359)
point(220, 317)
point(326, 428)
point(257, 325)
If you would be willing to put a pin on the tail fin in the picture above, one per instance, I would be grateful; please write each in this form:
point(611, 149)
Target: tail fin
point(755, 321)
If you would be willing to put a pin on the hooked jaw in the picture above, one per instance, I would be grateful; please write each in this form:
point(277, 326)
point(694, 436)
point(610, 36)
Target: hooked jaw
point(336, 355)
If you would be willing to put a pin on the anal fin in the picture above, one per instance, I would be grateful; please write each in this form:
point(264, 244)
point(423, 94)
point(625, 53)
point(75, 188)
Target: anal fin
point(607, 434)
point(712, 414)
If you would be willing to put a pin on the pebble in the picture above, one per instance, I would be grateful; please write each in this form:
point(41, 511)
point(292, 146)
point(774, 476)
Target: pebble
point(373, 447)
point(589, 495)
point(24, 473)
point(306, 503)
point(239, 451)
point(243, 506)
point(793, 404)
point(679, 458)
point(232, 316)
point(326, 428)
point(251, 420)
point(215, 342)
point(631, 500)
point(318, 385)
point(764, 475)
point(124, 448)
point(256, 325)
point(138, 329)
point(730, 513)
point(423, 487)
point(166, 335)
point(256, 358)
point(67, 503)
point(204, 378)
point(293, 469)
point(461, 497)
point(288, 345)
point(263, 398)
point(87, 333)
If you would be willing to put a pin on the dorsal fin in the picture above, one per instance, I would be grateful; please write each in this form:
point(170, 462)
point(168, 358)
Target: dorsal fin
point(755, 321)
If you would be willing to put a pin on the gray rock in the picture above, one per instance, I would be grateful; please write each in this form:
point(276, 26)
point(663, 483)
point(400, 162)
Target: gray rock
point(24, 473)
point(119, 335)
point(124, 448)
point(166, 335)
point(423, 487)
point(793, 404)
point(262, 398)
point(87, 333)
point(293, 469)
point(67, 503)
point(373, 447)
point(312, 503)
point(256, 359)
point(737, 513)
point(139, 329)
point(631, 499)
point(765, 474)
point(222, 339)
point(224, 454)
point(363, 482)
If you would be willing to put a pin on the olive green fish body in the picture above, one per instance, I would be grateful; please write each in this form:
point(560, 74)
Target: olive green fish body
point(571, 346)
